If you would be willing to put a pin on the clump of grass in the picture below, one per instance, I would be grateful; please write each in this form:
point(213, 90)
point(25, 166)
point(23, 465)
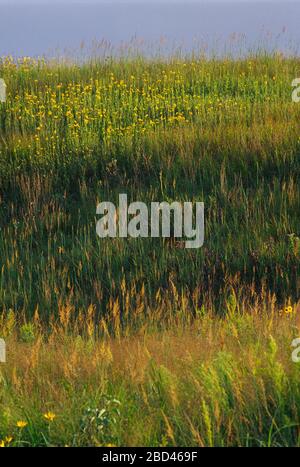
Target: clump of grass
point(27, 333)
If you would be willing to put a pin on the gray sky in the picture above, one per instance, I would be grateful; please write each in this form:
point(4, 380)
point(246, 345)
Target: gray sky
point(30, 31)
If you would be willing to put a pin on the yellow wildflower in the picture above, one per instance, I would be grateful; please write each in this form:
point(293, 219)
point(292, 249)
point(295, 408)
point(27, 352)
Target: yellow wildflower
point(50, 416)
point(21, 424)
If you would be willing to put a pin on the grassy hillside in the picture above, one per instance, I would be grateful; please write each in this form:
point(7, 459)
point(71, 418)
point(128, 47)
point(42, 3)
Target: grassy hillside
point(219, 131)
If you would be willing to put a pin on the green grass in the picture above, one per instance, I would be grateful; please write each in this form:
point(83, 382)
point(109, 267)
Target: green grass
point(220, 131)
point(201, 382)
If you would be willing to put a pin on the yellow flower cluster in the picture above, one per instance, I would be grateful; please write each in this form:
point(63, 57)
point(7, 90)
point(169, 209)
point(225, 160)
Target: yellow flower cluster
point(286, 310)
point(67, 110)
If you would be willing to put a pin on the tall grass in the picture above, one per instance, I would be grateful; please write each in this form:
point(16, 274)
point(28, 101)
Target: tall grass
point(171, 381)
point(207, 359)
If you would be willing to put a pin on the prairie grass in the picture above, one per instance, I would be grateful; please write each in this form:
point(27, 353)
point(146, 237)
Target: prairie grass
point(180, 347)
point(205, 381)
